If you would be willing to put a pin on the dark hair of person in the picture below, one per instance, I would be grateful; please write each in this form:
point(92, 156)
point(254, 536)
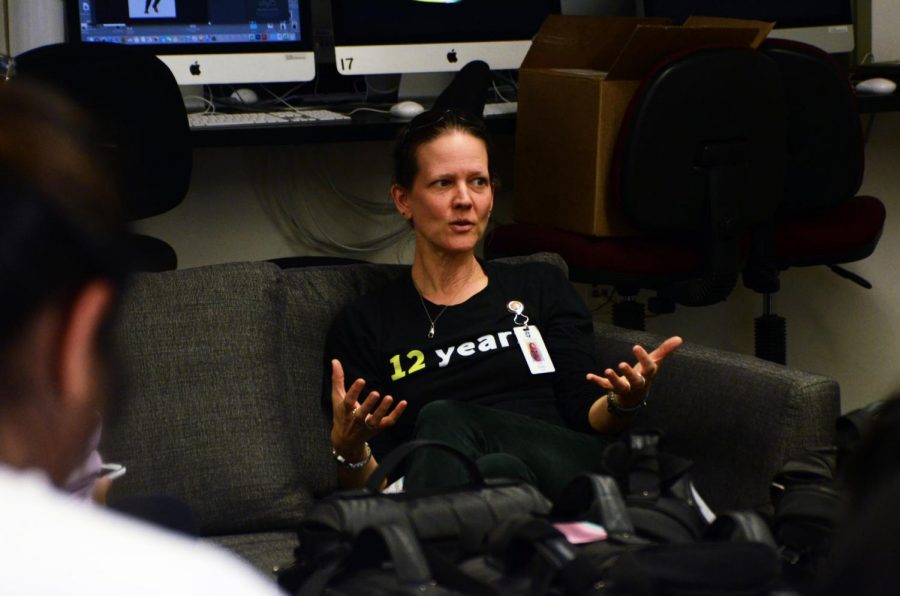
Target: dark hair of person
point(425, 128)
point(61, 222)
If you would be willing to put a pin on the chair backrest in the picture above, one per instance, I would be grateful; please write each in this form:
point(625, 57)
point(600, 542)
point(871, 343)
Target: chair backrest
point(700, 155)
point(707, 109)
point(137, 103)
point(825, 151)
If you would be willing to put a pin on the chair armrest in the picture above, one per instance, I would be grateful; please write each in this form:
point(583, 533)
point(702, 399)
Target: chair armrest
point(739, 418)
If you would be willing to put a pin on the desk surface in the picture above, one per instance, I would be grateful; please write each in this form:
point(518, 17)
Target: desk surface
point(372, 126)
point(364, 126)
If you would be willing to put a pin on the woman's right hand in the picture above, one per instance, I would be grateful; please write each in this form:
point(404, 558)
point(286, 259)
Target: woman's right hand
point(353, 421)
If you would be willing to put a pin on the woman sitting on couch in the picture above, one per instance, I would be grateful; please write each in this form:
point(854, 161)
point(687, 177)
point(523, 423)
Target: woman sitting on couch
point(494, 359)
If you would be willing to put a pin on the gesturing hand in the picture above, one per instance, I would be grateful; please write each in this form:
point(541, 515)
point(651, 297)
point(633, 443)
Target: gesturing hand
point(355, 422)
point(632, 384)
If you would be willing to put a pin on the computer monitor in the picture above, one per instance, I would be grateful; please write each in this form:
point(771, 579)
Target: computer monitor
point(206, 42)
point(425, 36)
point(827, 24)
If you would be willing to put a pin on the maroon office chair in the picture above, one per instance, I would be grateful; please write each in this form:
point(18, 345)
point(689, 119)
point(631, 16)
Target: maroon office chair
point(698, 163)
point(821, 221)
point(136, 102)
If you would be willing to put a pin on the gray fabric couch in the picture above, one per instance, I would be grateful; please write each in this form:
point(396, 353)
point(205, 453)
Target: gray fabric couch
point(224, 364)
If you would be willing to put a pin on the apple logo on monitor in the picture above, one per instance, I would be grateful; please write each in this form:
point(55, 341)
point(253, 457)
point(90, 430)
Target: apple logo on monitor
point(195, 69)
point(451, 57)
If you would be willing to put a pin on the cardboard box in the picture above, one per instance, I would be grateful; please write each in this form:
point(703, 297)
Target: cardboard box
point(575, 86)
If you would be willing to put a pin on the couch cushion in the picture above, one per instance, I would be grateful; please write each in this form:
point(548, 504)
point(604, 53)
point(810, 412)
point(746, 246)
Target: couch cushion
point(203, 351)
point(264, 550)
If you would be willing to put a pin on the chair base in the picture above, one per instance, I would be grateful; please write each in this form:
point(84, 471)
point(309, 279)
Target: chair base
point(770, 336)
point(628, 314)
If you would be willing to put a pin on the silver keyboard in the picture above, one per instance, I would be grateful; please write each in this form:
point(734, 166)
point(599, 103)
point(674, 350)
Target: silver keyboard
point(210, 120)
point(505, 107)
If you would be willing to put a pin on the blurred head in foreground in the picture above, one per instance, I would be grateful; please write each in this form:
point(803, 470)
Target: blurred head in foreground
point(60, 248)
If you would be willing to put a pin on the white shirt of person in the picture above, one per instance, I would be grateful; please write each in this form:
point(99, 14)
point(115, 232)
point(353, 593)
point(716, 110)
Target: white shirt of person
point(53, 544)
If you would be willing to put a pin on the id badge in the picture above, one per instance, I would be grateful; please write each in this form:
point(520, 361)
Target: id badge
point(536, 355)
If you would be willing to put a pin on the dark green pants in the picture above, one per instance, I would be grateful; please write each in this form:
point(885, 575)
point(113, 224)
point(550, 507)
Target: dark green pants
point(503, 444)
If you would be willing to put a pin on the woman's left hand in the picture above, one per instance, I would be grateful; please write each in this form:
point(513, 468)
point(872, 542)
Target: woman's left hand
point(632, 383)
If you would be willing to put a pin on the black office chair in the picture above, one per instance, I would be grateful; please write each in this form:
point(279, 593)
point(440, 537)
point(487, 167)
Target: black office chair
point(136, 102)
point(699, 162)
point(821, 221)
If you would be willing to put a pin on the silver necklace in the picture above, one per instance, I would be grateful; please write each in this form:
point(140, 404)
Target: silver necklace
point(428, 314)
point(446, 306)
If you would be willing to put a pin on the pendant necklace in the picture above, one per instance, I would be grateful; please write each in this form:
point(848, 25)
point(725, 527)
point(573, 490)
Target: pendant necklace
point(434, 320)
point(430, 320)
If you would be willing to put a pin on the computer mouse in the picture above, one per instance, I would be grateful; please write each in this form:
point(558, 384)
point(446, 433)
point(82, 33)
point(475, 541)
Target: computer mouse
point(407, 110)
point(243, 95)
point(877, 86)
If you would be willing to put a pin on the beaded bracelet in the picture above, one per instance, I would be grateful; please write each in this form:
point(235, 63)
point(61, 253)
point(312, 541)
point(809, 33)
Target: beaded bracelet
point(612, 404)
point(342, 461)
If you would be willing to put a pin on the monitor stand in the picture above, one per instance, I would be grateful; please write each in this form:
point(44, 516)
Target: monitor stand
point(193, 98)
point(427, 85)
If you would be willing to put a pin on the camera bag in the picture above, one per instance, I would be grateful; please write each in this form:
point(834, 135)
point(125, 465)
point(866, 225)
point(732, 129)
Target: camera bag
point(451, 522)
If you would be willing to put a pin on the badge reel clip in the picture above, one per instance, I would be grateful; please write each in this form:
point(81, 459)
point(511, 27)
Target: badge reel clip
point(517, 308)
point(530, 341)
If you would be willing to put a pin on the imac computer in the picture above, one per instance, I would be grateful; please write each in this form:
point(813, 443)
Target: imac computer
point(429, 36)
point(827, 24)
point(206, 42)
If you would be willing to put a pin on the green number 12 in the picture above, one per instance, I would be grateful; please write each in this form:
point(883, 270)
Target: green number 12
point(418, 363)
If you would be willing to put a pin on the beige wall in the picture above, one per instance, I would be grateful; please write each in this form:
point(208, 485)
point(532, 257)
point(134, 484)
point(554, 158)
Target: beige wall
point(3, 35)
point(886, 30)
point(242, 199)
point(34, 23)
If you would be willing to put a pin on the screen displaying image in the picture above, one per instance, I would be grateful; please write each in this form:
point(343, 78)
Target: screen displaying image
point(174, 22)
point(206, 41)
point(151, 9)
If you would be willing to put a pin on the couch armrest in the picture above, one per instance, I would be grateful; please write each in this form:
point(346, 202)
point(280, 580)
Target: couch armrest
point(739, 418)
